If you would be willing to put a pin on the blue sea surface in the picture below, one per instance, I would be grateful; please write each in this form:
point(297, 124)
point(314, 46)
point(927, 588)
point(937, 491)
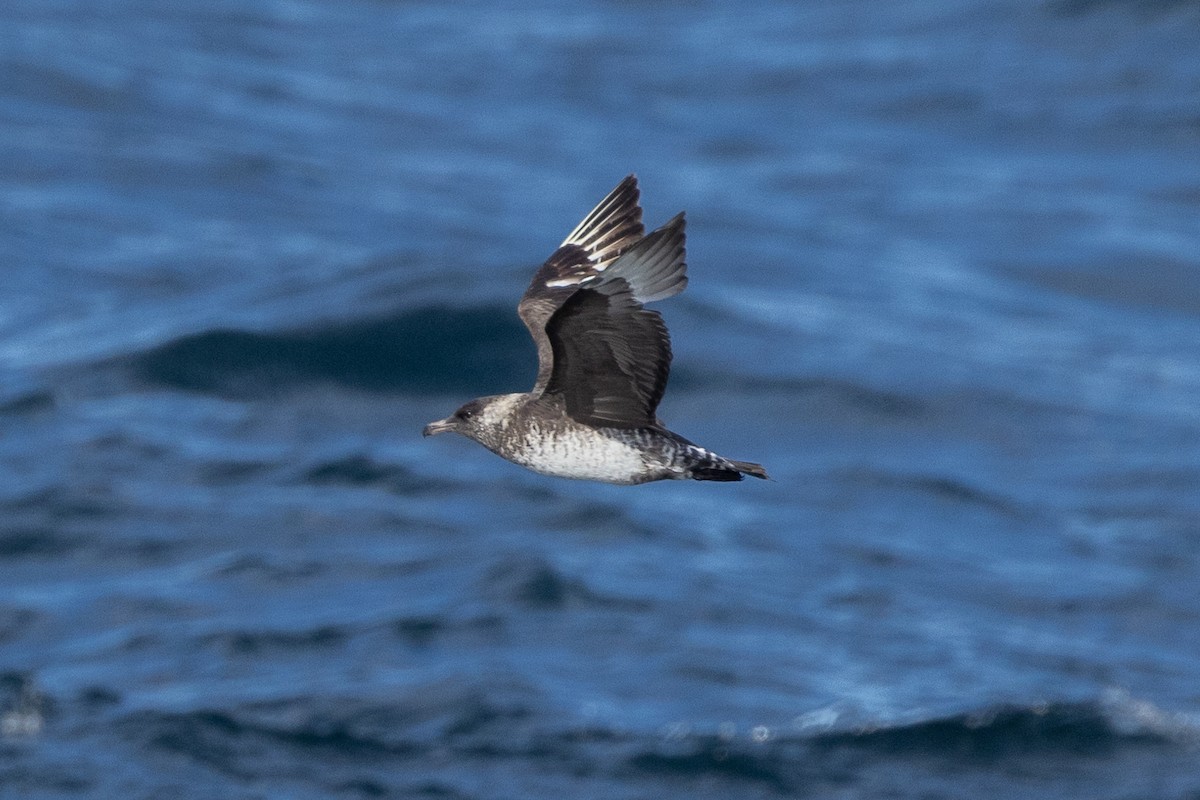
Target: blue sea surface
point(945, 286)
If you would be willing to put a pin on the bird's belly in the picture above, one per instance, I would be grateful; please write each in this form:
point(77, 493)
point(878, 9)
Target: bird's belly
point(584, 454)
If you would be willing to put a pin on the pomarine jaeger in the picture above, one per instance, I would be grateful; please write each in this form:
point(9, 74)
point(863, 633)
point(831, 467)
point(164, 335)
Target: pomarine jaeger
point(603, 360)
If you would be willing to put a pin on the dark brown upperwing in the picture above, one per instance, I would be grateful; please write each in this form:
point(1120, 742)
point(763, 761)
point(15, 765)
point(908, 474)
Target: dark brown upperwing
point(540, 302)
point(609, 230)
point(611, 357)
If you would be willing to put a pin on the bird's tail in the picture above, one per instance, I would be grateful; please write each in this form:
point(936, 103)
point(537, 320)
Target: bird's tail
point(752, 469)
point(728, 470)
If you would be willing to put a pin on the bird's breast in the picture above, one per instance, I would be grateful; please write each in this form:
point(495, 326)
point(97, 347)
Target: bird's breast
point(580, 452)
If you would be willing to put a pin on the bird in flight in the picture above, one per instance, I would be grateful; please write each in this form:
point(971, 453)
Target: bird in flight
point(603, 360)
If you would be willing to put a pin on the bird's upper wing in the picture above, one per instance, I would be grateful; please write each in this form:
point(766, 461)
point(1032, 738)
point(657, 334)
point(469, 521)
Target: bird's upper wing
point(612, 226)
point(610, 355)
point(598, 348)
point(611, 359)
point(608, 230)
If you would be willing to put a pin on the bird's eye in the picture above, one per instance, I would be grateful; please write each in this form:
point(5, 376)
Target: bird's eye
point(466, 413)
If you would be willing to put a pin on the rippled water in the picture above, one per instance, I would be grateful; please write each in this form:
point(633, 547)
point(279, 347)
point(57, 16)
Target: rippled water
point(944, 286)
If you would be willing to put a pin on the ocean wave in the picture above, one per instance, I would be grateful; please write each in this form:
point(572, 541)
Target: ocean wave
point(36, 542)
point(258, 642)
point(14, 621)
point(823, 394)
point(359, 471)
point(1086, 727)
point(427, 716)
point(979, 741)
point(432, 350)
point(1141, 7)
point(423, 630)
point(993, 733)
point(532, 582)
point(24, 403)
point(947, 489)
point(456, 723)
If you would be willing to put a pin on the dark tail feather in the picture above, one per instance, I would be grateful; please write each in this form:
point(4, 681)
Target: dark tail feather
point(731, 473)
point(752, 469)
point(716, 474)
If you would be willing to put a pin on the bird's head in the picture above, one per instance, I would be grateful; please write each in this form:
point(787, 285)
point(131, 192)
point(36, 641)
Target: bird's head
point(460, 421)
point(476, 420)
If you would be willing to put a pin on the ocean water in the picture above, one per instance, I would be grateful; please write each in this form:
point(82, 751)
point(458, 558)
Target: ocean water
point(945, 285)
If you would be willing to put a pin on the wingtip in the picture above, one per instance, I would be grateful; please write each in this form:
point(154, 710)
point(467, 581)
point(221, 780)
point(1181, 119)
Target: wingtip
point(656, 267)
point(677, 221)
point(628, 184)
point(676, 225)
point(613, 225)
